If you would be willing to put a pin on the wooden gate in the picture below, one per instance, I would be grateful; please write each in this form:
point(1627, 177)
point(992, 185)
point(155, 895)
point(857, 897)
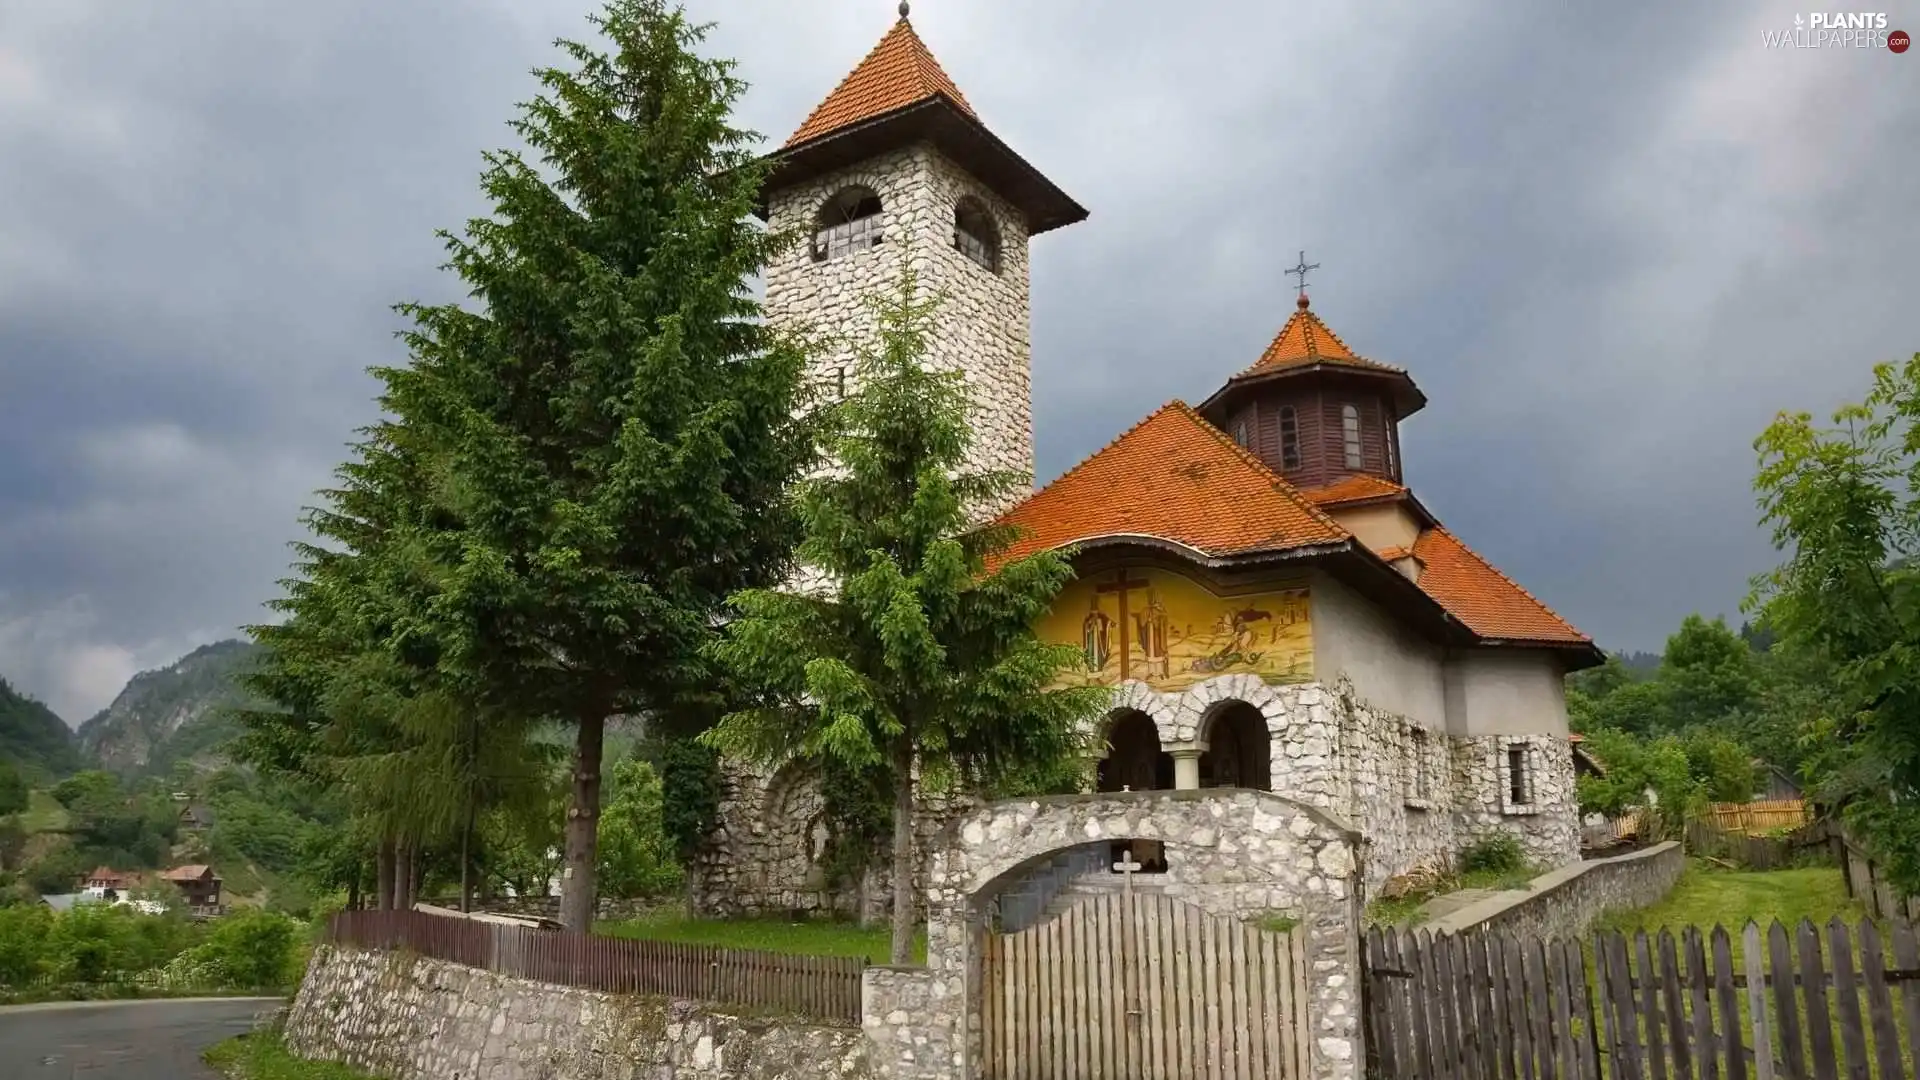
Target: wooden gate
point(1139, 986)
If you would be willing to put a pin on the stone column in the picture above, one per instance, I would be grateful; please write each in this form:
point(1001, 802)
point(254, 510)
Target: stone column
point(1186, 768)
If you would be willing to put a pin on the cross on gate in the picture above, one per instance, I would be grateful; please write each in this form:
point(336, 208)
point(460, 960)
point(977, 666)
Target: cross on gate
point(1127, 866)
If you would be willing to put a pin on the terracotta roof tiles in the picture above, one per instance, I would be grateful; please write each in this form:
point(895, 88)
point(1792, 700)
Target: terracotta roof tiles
point(1356, 488)
point(1489, 602)
point(1175, 477)
point(1306, 340)
point(900, 71)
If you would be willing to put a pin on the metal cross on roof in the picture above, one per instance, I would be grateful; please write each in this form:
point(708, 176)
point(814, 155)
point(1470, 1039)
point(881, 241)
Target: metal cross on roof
point(1300, 272)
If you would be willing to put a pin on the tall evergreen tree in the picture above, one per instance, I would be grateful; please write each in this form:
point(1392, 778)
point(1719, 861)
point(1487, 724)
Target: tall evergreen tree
point(618, 428)
point(923, 653)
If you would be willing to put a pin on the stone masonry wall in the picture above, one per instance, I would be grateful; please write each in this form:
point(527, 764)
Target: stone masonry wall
point(1564, 902)
point(406, 1018)
point(985, 326)
point(1266, 854)
point(764, 857)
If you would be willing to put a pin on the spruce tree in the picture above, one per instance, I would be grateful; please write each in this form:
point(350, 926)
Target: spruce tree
point(618, 427)
point(922, 652)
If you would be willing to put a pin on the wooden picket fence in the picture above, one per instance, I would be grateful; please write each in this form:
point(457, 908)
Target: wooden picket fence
point(823, 987)
point(1816, 842)
point(1761, 815)
point(1809, 1003)
point(1868, 883)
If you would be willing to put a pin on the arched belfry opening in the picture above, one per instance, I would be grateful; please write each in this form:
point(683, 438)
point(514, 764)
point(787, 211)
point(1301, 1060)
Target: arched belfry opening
point(849, 222)
point(974, 234)
point(1239, 750)
point(1135, 762)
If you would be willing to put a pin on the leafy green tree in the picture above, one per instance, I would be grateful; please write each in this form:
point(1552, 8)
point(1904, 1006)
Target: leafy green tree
point(1598, 682)
point(636, 856)
point(616, 426)
point(1711, 675)
point(923, 652)
point(1638, 707)
point(1722, 766)
point(1844, 504)
point(1652, 776)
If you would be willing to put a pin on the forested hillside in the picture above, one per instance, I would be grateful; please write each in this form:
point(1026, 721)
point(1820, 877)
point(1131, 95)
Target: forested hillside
point(32, 737)
point(178, 713)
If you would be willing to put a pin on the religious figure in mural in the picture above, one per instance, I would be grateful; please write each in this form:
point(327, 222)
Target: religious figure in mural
point(1096, 636)
point(1151, 626)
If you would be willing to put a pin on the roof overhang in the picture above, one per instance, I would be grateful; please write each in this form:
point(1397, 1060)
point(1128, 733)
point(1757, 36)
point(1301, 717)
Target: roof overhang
point(1407, 398)
point(938, 121)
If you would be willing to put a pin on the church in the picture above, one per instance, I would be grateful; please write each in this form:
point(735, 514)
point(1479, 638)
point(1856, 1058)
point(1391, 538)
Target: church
point(1270, 603)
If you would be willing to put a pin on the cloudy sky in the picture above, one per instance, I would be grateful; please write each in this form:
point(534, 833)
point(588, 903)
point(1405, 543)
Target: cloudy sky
point(1610, 245)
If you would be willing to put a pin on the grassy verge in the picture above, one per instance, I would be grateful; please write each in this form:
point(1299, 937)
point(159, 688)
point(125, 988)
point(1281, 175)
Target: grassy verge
point(40, 995)
point(814, 937)
point(262, 1056)
point(1709, 896)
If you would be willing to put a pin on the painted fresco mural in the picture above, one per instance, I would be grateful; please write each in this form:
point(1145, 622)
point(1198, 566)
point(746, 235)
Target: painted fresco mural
point(1171, 632)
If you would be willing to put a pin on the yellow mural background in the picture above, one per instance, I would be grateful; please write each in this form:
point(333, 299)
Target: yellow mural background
point(1178, 632)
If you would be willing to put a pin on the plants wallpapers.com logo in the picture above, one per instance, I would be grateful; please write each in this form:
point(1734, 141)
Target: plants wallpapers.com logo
point(1839, 30)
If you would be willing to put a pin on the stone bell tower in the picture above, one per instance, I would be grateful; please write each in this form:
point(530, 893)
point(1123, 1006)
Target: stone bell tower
point(894, 169)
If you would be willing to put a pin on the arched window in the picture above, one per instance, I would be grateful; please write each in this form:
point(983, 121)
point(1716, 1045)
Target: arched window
point(849, 222)
point(1240, 431)
point(1289, 438)
point(1392, 468)
point(974, 234)
point(1350, 431)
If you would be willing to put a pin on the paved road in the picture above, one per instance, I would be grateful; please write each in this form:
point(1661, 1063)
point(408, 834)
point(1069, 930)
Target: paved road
point(130, 1040)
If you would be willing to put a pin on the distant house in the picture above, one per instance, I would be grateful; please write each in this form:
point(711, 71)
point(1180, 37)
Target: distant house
point(199, 885)
point(196, 818)
point(106, 883)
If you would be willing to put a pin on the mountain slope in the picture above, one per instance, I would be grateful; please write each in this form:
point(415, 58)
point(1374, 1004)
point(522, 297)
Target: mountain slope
point(177, 713)
point(32, 736)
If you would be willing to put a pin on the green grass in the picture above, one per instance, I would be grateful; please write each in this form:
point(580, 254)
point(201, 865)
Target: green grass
point(43, 814)
point(262, 1056)
point(810, 938)
point(1708, 896)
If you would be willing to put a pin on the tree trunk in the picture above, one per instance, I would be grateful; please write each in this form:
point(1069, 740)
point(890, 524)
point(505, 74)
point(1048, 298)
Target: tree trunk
point(466, 861)
point(383, 875)
point(353, 893)
point(403, 876)
point(577, 884)
point(863, 898)
point(903, 849)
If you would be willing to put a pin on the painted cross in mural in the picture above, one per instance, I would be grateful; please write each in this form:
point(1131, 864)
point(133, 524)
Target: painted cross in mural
point(1121, 585)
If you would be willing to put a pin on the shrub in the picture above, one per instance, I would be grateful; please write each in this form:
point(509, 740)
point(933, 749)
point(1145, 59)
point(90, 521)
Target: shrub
point(1499, 853)
point(253, 950)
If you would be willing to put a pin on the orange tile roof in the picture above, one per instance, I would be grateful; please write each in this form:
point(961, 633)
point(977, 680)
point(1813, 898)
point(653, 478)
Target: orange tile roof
point(1355, 488)
point(1392, 554)
point(900, 71)
point(1175, 477)
point(1490, 603)
point(1306, 340)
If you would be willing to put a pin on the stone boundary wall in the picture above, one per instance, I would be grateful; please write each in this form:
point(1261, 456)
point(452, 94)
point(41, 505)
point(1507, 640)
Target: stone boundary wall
point(410, 1018)
point(1564, 902)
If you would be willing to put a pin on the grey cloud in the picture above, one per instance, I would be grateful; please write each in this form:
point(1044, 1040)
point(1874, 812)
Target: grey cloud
point(1608, 242)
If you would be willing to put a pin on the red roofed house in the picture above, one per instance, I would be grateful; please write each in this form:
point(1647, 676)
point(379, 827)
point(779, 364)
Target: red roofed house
point(1272, 606)
point(199, 886)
